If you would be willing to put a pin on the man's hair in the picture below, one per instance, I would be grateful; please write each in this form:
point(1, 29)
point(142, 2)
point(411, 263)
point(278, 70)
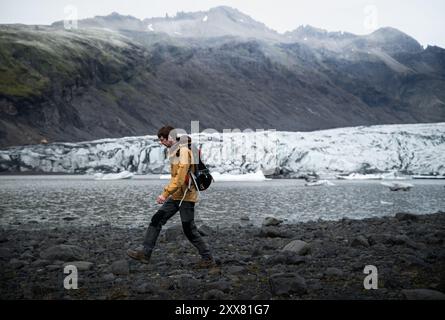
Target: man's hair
point(165, 131)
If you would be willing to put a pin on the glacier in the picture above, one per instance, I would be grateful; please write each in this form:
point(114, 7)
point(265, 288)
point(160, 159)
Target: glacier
point(413, 149)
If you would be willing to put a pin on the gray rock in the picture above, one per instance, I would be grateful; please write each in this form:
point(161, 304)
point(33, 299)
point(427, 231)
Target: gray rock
point(173, 233)
point(399, 239)
point(222, 285)
point(271, 221)
point(423, 294)
point(236, 269)
point(80, 265)
point(145, 288)
point(205, 230)
point(120, 267)
point(40, 263)
point(286, 257)
point(274, 232)
point(298, 246)
point(214, 294)
point(334, 272)
point(64, 252)
point(109, 277)
point(287, 283)
point(359, 241)
point(72, 218)
point(27, 256)
point(244, 218)
point(403, 216)
point(16, 264)
point(5, 253)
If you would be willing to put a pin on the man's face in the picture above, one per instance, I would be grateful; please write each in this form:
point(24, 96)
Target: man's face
point(166, 142)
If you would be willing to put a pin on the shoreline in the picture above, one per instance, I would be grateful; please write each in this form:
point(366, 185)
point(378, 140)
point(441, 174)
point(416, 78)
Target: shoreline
point(408, 251)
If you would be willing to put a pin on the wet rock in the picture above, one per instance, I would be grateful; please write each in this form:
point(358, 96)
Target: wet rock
point(287, 283)
point(40, 263)
point(205, 230)
point(27, 256)
point(286, 257)
point(145, 288)
point(70, 218)
point(399, 239)
point(244, 218)
point(298, 247)
point(221, 285)
point(16, 264)
point(423, 294)
point(108, 277)
point(64, 252)
point(235, 269)
point(359, 241)
point(120, 267)
point(274, 232)
point(334, 272)
point(271, 221)
point(5, 253)
point(214, 294)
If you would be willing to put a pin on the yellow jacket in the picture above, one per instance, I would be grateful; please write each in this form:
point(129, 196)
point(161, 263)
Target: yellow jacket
point(180, 157)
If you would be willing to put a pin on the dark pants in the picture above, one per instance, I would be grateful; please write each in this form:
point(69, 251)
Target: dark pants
point(168, 210)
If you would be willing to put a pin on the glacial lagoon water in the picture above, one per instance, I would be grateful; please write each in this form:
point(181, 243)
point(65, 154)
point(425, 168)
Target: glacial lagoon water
point(56, 200)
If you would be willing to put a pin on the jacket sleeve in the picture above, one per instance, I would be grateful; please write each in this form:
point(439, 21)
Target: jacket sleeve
point(179, 179)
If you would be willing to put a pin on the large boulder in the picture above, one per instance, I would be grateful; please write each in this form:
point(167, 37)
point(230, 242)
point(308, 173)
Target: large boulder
point(120, 267)
point(298, 246)
point(287, 284)
point(359, 241)
point(271, 221)
point(274, 232)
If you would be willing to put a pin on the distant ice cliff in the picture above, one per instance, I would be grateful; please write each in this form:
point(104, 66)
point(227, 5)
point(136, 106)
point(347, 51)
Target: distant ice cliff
point(409, 149)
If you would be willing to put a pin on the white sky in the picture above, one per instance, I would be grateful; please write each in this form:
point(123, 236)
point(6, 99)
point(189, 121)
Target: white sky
point(422, 19)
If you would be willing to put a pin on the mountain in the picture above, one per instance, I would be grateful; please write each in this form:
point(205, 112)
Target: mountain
point(405, 149)
point(119, 76)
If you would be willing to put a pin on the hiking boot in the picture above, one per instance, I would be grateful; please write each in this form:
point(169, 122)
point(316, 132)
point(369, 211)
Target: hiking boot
point(139, 255)
point(206, 264)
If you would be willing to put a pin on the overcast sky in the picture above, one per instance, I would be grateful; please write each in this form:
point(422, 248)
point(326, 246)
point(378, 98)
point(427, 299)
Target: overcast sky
point(422, 19)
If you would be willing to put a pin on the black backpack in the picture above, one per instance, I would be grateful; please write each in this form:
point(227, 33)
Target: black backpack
point(201, 176)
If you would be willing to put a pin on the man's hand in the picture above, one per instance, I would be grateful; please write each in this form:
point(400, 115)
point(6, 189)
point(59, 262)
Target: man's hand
point(161, 199)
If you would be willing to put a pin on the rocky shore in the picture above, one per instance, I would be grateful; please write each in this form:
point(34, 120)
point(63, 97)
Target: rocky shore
point(312, 260)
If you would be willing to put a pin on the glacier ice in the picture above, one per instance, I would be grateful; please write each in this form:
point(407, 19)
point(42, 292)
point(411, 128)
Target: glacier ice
point(416, 149)
point(113, 176)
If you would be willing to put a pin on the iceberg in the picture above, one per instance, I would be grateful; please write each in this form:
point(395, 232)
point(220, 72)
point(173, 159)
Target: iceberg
point(113, 176)
point(319, 183)
point(257, 176)
point(398, 186)
point(427, 177)
point(358, 176)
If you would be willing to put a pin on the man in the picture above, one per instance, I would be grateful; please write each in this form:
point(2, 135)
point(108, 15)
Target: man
point(177, 195)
